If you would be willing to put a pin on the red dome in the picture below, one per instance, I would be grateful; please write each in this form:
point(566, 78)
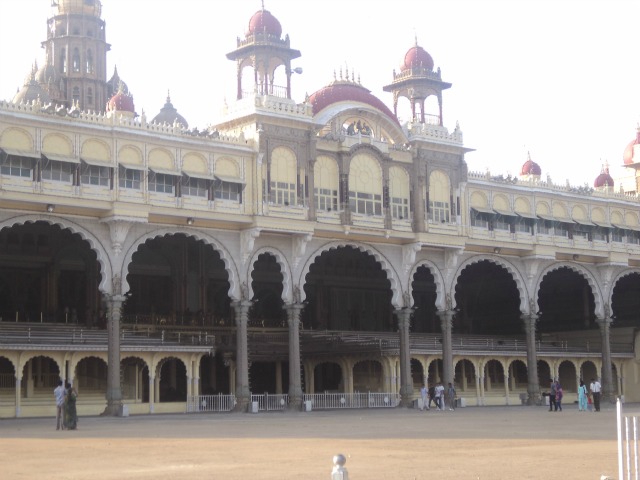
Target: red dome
point(627, 156)
point(347, 92)
point(604, 179)
point(121, 102)
point(530, 168)
point(263, 22)
point(417, 57)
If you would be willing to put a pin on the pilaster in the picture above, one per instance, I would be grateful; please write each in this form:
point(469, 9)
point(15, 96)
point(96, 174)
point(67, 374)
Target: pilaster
point(608, 392)
point(533, 386)
point(446, 323)
point(406, 382)
point(243, 394)
point(295, 381)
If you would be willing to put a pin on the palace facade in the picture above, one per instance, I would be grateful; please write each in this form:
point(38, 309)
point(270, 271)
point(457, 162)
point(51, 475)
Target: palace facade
point(294, 248)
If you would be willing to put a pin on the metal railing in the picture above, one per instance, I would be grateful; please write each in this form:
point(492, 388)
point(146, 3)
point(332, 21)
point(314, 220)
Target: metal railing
point(337, 401)
point(271, 401)
point(210, 403)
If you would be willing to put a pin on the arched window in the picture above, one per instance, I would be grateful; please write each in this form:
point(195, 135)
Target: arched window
point(439, 197)
point(76, 94)
point(283, 181)
point(75, 61)
point(399, 193)
point(89, 61)
point(63, 61)
point(325, 190)
point(365, 185)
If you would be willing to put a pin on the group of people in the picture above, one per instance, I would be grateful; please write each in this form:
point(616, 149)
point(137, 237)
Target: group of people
point(66, 414)
point(586, 396)
point(440, 398)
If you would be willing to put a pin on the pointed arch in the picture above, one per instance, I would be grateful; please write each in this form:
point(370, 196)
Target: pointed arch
point(580, 270)
point(285, 269)
point(513, 271)
point(225, 256)
point(387, 266)
point(437, 277)
point(106, 268)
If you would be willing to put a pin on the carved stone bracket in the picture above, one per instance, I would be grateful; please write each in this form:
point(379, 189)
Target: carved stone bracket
point(247, 240)
point(299, 246)
point(118, 229)
point(409, 255)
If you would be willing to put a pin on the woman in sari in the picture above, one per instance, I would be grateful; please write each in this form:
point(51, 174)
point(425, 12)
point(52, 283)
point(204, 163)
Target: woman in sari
point(582, 397)
point(70, 413)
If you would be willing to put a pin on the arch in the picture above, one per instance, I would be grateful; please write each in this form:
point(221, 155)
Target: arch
point(365, 174)
point(161, 158)
point(195, 162)
point(631, 219)
point(625, 273)
point(325, 171)
point(437, 277)
point(285, 269)
point(478, 199)
point(579, 269)
point(513, 271)
point(106, 269)
point(226, 257)
point(543, 208)
point(598, 214)
point(16, 138)
point(96, 149)
point(130, 155)
point(501, 202)
point(616, 217)
point(283, 165)
point(12, 362)
point(228, 167)
point(559, 210)
point(522, 205)
point(387, 266)
point(57, 144)
point(579, 213)
point(399, 192)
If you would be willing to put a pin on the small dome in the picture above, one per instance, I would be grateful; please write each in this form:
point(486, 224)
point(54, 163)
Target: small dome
point(628, 154)
point(169, 115)
point(31, 90)
point(530, 167)
point(121, 102)
point(263, 22)
point(83, 7)
point(604, 179)
point(417, 57)
point(113, 85)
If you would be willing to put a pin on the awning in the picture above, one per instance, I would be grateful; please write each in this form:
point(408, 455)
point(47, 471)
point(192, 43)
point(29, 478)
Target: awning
point(229, 179)
point(603, 224)
point(97, 163)
point(20, 153)
point(634, 228)
point(202, 175)
point(563, 220)
point(544, 216)
point(505, 213)
point(584, 222)
point(133, 166)
point(527, 215)
point(483, 210)
point(60, 158)
point(165, 171)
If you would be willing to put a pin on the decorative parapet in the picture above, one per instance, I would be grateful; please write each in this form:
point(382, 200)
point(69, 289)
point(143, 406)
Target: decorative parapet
point(262, 39)
point(584, 190)
point(254, 102)
point(417, 72)
point(434, 133)
point(116, 121)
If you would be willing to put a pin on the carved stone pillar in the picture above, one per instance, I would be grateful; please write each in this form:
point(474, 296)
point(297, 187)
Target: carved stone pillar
point(152, 391)
point(18, 396)
point(533, 382)
point(446, 322)
point(114, 391)
point(295, 382)
point(607, 373)
point(243, 394)
point(406, 382)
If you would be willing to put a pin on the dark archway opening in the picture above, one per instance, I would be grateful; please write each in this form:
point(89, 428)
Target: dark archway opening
point(625, 301)
point(267, 309)
point(566, 302)
point(425, 319)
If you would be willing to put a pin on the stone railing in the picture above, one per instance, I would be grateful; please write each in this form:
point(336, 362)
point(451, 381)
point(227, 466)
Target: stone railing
point(434, 132)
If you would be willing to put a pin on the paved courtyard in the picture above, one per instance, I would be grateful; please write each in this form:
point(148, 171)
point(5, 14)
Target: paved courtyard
point(401, 444)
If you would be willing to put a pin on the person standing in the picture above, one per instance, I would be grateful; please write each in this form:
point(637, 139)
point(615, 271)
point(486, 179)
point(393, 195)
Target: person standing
point(552, 396)
point(559, 395)
point(424, 395)
point(70, 412)
point(58, 393)
point(451, 396)
point(582, 397)
point(432, 396)
point(595, 388)
point(439, 396)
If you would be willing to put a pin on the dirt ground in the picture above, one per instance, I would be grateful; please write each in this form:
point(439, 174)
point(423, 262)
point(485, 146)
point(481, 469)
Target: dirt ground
point(470, 443)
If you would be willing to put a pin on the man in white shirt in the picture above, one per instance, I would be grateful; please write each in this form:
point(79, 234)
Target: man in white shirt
point(595, 388)
point(59, 392)
point(439, 396)
point(424, 395)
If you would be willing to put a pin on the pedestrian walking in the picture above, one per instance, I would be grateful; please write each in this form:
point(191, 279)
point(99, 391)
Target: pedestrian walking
point(595, 388)
point(582, 397)
point(59, 393)
point(451, 396)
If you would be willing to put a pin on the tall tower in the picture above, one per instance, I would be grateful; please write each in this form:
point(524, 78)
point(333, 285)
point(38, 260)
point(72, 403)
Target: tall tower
point(417, 81)
point(265, 51)
point(75, 69)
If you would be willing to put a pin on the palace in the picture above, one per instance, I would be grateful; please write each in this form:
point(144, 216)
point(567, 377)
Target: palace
point(293, 249)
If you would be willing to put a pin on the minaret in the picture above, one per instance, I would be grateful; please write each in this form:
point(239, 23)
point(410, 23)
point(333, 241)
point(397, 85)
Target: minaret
point(416, 81)
point(265, 51)
point(76, 49)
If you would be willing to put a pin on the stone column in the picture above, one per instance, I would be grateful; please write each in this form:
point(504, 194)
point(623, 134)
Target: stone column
point(446, 321)
point(506, 390)
point(406, 382)
point(533, 386)
point(243, 394)
point(606, 372)
point(152, 382)
point(295, 382)
point(114, 391)
point(478, 395)
point(18, 392)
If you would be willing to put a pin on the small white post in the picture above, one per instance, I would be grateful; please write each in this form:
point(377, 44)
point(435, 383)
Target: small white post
point(619, 419)
point(339, 472)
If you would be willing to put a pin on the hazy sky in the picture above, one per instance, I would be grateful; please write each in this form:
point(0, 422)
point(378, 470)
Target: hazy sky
point(557, 78)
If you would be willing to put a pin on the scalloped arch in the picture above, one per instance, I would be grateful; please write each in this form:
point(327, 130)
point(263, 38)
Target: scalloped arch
point(588, 276)
point(515, 274)
point(225, 256)
point(162, 360)
point(285, 269)
point(392, 275)
point(12, 362)
point(616, 279)
point(76, 361)
point(101, 253)
point(437, 277)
